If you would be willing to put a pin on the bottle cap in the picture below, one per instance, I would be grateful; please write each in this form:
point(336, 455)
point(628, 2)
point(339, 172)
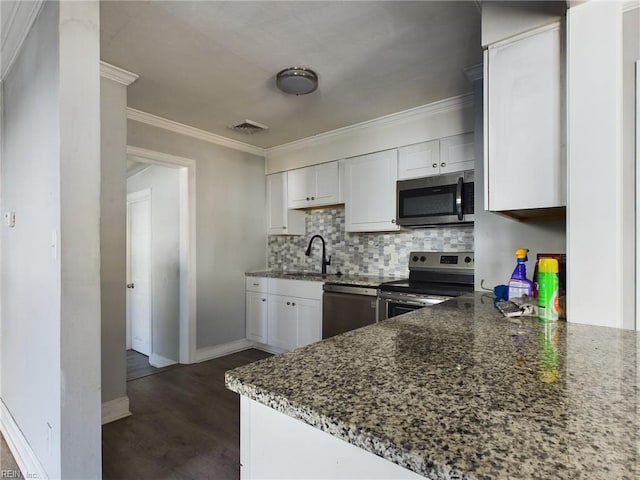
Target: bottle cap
point(522, 253)
point(548, 265)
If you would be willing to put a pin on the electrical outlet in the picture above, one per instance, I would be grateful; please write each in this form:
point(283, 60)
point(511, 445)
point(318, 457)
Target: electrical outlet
point(10, 219)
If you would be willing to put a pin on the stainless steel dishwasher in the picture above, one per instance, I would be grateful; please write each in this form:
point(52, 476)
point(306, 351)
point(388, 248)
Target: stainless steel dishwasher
point(347, 307)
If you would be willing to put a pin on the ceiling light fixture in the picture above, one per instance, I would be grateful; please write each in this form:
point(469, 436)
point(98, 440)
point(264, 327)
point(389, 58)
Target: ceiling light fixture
point(297, 80)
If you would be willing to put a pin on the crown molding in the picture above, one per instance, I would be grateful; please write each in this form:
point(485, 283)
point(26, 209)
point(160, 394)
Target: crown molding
point(117, 74)
point(442, 106)
point(155, 121)
point(474, 72)
point(15, 30)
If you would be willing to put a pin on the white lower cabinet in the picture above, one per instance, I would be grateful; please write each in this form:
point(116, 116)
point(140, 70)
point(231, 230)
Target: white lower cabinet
point(309, 313)
point(284, 314)
point(283, 322)
point(257, 316)
point(303, 451)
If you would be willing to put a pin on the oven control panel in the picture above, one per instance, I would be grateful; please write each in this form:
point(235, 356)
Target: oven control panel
point(441, 261)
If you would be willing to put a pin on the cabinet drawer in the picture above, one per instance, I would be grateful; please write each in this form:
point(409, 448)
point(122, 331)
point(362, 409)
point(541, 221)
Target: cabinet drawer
point(257, 284)
point(296, 288)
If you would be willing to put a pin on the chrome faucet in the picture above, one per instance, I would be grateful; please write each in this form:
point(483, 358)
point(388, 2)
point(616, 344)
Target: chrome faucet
point(325, 262)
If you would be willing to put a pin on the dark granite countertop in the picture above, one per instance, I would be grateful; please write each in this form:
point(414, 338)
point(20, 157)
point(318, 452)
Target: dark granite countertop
point(359, 280)
point(456, 391)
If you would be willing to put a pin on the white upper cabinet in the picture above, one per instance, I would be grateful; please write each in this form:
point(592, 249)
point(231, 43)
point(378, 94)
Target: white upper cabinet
point(524, 161)
point(419, 160)
point(313, 186)
point(281, 220)
point(457, 153)
point(446, 155)
point(369, 184)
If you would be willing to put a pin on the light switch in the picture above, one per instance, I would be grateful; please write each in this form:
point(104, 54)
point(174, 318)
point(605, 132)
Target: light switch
point(10, 219)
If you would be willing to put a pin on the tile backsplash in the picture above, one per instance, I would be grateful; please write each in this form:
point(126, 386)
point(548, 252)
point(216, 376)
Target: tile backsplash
point(380, 253)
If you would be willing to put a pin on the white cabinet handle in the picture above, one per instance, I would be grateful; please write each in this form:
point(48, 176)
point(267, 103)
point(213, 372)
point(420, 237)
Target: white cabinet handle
point(443, 164)
point(435, 165)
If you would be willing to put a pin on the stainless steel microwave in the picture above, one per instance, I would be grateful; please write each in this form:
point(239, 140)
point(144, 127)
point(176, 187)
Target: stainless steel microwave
point(438, 200)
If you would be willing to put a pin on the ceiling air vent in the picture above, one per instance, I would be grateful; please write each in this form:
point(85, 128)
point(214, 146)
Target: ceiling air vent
point(248, 127)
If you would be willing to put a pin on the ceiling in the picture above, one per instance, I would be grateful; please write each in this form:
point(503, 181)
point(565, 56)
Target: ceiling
point(213, 64)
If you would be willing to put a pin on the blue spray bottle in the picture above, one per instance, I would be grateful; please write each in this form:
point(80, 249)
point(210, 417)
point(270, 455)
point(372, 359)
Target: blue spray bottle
point(519, 284)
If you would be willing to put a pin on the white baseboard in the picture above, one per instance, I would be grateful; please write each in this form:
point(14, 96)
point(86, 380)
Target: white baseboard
point(209, 353)
point(25, 457)
point(115, 409)
point(268, 348)
point(159, 361)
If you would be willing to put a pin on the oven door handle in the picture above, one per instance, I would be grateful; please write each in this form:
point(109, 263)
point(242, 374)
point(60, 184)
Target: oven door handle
point(459, 199)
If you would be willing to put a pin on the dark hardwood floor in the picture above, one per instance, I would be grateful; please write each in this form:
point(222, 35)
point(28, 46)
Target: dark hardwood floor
point(8, 466)
point(138, 366)
point(185, 425)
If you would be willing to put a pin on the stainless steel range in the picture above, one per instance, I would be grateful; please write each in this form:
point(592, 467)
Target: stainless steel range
point(433, 278)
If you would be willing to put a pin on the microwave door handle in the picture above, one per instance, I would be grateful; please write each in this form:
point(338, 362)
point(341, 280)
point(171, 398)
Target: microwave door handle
point(459, 199)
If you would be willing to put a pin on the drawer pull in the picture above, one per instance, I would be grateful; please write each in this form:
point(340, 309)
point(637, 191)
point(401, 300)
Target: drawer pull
point(288, 303)
point(293, 304)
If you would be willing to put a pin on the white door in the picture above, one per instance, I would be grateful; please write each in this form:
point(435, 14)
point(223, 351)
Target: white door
point(139, 270)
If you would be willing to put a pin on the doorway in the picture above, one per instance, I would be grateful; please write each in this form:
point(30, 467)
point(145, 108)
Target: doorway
point(139, 303)
point(172, 258)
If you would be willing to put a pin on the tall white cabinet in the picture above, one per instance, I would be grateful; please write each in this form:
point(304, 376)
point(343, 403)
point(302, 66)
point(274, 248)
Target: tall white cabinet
point(524, 158)
point(280, 219)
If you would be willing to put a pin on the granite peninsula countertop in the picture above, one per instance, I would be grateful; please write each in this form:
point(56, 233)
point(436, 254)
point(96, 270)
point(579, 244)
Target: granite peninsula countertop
point(360, 280)
point(456, 391)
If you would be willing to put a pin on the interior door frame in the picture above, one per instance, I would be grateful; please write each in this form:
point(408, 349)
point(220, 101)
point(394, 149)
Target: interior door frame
point(638, 197)
point(187, 242)
point(144, 194)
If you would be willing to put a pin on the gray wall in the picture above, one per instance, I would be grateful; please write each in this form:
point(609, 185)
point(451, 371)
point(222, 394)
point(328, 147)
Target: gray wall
point(630, 53)
point(112, 238)
point(496, 236)
point(504, 19)
point(230, 232)
point(30, 276)
point(165, 258)
point(50, 260)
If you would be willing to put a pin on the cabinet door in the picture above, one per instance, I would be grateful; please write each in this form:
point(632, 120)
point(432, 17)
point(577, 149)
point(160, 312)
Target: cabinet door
point(257, 316)
point(326, 183)
point(370, 192)
point(301, 187)
point(309, 313)
point(282, 330)
point(524, 125)
point(457, 153)
point(281, 220)
point(419, 160)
